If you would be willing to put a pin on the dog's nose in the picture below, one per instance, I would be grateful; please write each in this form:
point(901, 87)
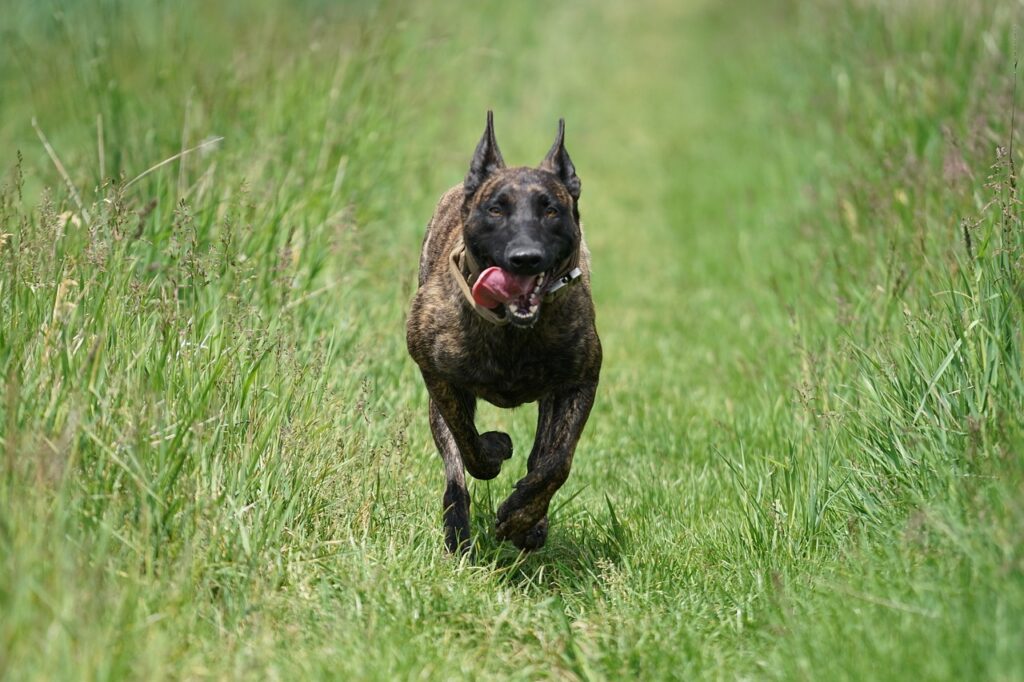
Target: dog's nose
point(526, 258)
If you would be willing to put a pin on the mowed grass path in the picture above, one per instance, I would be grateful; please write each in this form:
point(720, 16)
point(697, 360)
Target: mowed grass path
point(804, 461)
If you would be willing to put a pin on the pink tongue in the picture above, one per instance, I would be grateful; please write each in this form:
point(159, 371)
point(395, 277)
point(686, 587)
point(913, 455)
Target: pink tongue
point(494, 286)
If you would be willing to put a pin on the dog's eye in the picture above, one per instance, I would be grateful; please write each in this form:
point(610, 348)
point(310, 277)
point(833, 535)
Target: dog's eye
point(551, 212)
point(495, 211)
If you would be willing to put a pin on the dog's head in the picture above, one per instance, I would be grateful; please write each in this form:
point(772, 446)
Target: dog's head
point(523, 222)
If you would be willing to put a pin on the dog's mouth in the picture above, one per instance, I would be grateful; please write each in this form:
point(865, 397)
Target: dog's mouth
point(520, 294)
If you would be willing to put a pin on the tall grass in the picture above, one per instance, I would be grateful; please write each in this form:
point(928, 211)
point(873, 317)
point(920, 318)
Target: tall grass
point(805, 458)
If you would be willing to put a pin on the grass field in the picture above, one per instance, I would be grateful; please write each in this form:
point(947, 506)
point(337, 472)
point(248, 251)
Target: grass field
point(807, 456)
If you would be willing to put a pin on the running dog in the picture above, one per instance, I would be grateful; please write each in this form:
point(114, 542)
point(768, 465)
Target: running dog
point(503, 312)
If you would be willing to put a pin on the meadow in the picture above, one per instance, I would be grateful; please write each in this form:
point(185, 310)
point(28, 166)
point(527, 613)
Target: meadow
point(806, 460)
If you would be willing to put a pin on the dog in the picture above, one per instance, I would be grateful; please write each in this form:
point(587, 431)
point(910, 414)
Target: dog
point(504, 312)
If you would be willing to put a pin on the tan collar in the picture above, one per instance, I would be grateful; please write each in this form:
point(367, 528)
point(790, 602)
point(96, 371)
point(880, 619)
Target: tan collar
point(465, 270)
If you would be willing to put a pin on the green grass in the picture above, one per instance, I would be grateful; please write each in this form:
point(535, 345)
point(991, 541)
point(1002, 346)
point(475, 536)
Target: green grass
point(806, 457)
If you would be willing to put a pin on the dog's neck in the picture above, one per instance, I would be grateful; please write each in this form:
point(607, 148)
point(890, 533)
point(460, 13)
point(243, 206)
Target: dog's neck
point(465, 270)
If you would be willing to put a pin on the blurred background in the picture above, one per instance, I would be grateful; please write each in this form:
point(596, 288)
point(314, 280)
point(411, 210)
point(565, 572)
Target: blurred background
point(805, 457)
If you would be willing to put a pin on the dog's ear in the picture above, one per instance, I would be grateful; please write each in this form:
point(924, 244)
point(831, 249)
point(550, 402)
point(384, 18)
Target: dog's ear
point(558, 162)
point(486, 159)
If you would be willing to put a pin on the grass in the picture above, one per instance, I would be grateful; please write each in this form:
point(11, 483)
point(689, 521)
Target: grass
point(805, 459)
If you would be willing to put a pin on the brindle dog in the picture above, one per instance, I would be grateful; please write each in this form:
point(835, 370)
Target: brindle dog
point(522, 226)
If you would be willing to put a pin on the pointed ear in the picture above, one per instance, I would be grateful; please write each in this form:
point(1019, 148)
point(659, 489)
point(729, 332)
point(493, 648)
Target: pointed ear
point(558, 162)
point(486, 160)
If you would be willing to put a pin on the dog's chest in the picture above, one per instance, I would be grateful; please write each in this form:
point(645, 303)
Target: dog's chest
point(516, 370)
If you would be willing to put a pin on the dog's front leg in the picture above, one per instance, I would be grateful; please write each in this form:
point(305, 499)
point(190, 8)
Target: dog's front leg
point(457, 440)
point(522, 518)
point(482, 453)
point(456, 497)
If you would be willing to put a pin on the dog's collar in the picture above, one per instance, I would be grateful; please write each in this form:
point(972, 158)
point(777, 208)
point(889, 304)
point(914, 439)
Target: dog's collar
point(465, 271)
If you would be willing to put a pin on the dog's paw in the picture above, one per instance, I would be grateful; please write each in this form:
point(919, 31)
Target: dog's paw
point(519, 528)
point(495, 448)
point(456, 540)
point(456, 519)
point(535, 537)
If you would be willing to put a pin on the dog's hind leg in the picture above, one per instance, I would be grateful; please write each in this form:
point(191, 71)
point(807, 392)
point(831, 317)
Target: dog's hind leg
point(522, 518)
point(482, 453)
point(456, 497)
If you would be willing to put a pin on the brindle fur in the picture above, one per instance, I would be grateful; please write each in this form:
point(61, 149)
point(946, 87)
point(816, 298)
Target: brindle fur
point(462, 357)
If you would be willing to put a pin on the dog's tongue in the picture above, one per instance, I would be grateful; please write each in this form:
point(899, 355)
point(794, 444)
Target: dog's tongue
point(495, 286)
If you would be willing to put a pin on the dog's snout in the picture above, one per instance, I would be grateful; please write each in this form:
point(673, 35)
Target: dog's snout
point(525, 258)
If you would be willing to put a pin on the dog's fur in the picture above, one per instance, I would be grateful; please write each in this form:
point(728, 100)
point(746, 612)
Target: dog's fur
point(462, 356)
